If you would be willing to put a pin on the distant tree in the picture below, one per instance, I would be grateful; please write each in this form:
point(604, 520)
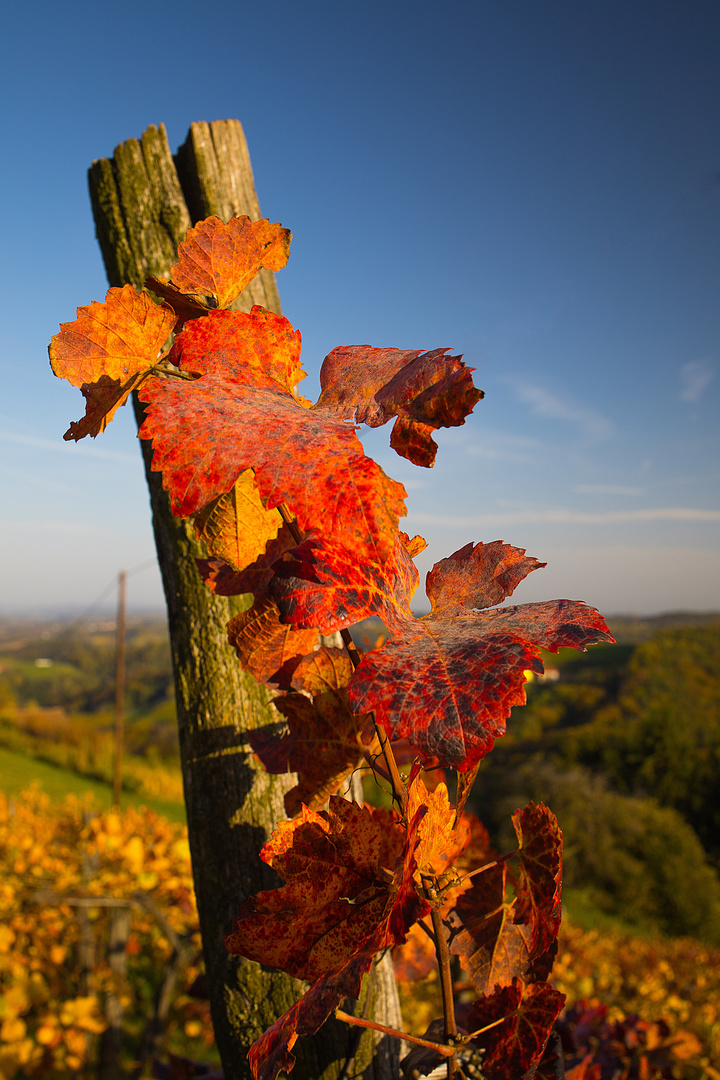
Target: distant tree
point(662, 736)
point(630, 857)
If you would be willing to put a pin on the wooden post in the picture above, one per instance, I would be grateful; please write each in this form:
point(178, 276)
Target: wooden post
point(143, 203)
point(119, 689)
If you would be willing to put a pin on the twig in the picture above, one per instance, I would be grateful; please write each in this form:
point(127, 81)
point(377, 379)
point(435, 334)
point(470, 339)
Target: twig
point(444, 1051)
point(443, 959)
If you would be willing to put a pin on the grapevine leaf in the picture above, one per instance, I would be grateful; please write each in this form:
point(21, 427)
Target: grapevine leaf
point(465, 672)
point(324, 743)
point(515, 1045)
point(463, 669)
point(205, 433)
point(422, 391)
point(102, 400)
point(349, 889)
point(221, 579)
point(118, 338)
point(271, 1054)
point(220, 260)
point(539, 890)
point(435, 825)
point(185, 307)
point(477, 576)
point(499, 939)
point(266, 647)
point(242, 347)
point(323, 583)
point(236, 527)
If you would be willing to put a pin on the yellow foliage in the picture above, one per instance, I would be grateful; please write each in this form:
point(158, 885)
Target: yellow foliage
point(676, 980)
point(48, 856)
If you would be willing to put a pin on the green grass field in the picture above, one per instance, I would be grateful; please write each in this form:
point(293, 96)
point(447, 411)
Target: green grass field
point(17, 772)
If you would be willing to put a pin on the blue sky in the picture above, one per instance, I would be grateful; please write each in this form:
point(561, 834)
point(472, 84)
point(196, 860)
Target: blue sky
point(535, 185)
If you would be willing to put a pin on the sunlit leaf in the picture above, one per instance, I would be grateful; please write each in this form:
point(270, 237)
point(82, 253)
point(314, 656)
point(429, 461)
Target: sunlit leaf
point(118, 338)
point(220, 260)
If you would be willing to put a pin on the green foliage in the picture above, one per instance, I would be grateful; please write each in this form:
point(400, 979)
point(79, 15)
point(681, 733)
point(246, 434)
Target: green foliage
point(628, 856)
point(18, 771)
point(81, 677)
point(662, 734)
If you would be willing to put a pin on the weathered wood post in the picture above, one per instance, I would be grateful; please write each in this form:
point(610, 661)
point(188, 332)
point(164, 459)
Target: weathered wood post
point(143, 202)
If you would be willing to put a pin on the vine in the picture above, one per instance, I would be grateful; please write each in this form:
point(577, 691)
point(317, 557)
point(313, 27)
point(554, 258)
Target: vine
point(292, 511)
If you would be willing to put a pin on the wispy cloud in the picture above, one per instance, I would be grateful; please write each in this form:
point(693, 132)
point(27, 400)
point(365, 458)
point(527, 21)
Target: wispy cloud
point(695, 378)
point(565, 516)
point(497, 446)
point(85, 448)
point(591, 424)
point(606, 489)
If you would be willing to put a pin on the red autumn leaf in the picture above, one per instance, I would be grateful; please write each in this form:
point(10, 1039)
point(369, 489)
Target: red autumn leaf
point(325, 740)
point(515, 1045)
point(118, 338)
point(500, 937)
point(244, 347)
point(271, 1054)
point(446, 681)
point(266, 647)
point(220, 260)
point(321, 582)
point(422, 391)
point(241, 414)
point(478, 576)
point(349, 890)
point(539, 889)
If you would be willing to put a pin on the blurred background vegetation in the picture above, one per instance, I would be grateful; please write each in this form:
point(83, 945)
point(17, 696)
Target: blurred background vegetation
point(622, 742)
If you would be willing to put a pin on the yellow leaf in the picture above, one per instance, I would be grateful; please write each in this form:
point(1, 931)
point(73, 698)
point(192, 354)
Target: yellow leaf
point(236, 527)
point(134, 854)
point(13, 1030)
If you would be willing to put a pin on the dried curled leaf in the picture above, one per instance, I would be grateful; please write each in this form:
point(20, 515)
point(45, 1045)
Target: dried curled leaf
point(118, 338)
point(102, 400)
point(422, 391)
point(220, 260)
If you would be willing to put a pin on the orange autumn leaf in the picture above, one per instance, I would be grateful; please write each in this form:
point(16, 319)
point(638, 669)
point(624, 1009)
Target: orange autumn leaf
point(435, 817)
point(266, 647)
point(236, 527)
point(242, 413)
point(102, 400)
point(220, 260)
point(118, 338)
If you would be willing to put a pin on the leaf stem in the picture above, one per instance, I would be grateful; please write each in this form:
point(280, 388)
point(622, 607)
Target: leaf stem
point(489, 866)
point(359, 1021)
point(443, 959)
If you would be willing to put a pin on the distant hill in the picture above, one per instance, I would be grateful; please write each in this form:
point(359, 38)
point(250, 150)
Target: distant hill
point(633, 629)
